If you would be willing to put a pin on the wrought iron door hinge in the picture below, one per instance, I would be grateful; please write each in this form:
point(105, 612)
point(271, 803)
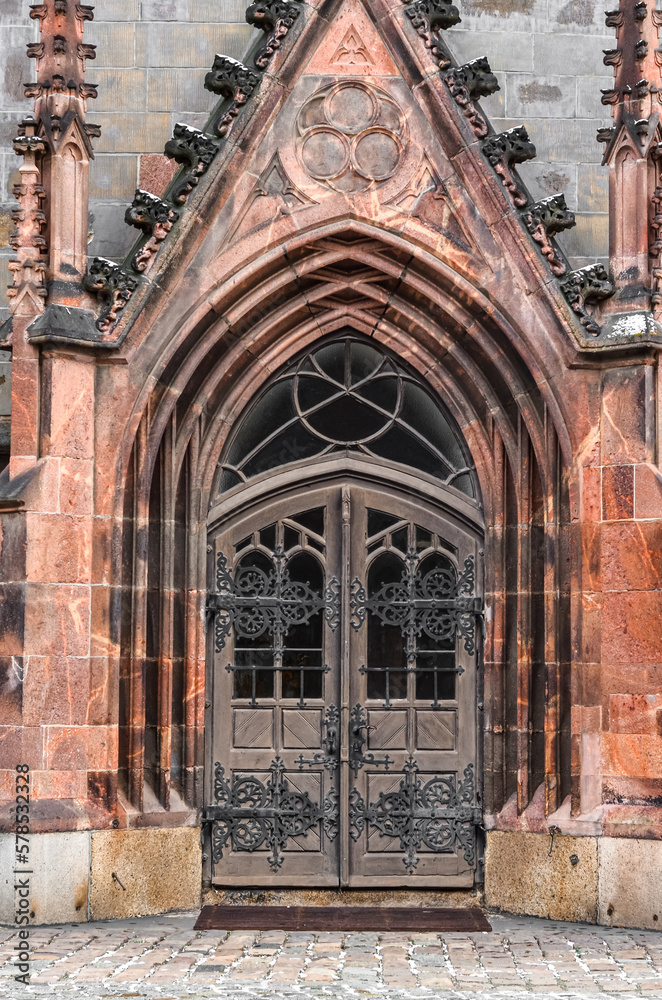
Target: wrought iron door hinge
point(249, 813)
point(255, 603)
point(439, 815)
point(438, 604)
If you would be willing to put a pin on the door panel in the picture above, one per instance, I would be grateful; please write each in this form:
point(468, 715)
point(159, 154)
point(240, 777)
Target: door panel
point(344, 693)
point(275, 653)
point(412, 671)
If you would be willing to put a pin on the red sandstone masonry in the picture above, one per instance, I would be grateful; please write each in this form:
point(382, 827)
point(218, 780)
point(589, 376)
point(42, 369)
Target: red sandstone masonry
point(559, 442)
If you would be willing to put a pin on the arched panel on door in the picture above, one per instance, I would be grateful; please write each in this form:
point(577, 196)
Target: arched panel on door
point(274, 652)
point(344, 682)
point(414, 681)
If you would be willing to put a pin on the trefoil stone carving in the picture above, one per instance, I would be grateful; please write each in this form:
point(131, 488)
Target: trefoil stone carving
point(544, 220)
point(503, 151)
point(235, 82)
point(275, 18)
point(155, 218)
point(439, 815)
point(195, 149)
point(111, 283)
point(351, 136)
point(469, 82)
point(429, 17)
point(587, 284)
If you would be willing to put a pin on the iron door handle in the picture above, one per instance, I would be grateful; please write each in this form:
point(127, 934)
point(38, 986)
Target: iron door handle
point(329, 756)
point(358, 723)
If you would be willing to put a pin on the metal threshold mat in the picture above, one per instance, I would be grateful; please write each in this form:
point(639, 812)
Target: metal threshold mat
point(340, 918)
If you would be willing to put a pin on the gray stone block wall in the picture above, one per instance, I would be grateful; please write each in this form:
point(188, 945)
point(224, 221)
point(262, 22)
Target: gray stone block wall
point(547, 55)
point(152, 56)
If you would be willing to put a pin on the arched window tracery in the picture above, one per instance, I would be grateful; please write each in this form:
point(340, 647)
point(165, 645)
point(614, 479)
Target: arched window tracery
point(347, 396)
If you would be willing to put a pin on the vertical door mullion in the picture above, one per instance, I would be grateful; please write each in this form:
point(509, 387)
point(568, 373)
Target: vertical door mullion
point(345, 685)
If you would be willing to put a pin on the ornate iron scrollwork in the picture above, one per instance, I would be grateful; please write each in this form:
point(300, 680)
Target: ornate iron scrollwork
point(439, 814)
point(330, 742)
point(357, 813)
point(255, 602)
point(249, 814)
point(437, 604)
point(331, 814)
point(358, 725)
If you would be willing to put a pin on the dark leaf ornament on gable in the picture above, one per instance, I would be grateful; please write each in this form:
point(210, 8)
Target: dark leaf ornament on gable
point(274, 18)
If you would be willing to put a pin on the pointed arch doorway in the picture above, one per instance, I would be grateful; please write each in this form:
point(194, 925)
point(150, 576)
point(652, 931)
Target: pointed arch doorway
point(344, 607)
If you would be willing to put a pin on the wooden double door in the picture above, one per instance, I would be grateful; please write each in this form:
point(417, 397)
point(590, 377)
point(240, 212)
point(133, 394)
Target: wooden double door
point(343, 629)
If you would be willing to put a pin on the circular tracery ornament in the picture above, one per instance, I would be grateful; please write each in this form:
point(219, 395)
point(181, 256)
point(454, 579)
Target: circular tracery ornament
point(350, 136)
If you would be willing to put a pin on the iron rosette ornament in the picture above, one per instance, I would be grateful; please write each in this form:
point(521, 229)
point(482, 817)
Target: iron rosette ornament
point(249, 814)
point(255, 602)
point(439, 815)
point(438, 604)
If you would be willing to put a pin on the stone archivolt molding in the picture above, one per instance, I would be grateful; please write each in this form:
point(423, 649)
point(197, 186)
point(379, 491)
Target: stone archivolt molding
point(433, 319)
point(351, 136)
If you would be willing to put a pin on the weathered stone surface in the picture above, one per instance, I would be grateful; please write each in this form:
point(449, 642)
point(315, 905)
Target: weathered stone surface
point(60, 869)
point(630, 882)
point(160, 869)
point(524, 876)
point(344, 187)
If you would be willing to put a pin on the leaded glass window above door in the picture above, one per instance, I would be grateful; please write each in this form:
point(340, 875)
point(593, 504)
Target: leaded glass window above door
point(343, 636)
point(347, 396)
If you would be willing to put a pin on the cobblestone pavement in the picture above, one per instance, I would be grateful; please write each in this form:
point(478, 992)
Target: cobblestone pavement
point(163, 957)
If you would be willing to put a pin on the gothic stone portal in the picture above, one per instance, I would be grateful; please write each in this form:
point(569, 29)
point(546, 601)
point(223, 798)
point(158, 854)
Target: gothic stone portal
point(344, 630)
